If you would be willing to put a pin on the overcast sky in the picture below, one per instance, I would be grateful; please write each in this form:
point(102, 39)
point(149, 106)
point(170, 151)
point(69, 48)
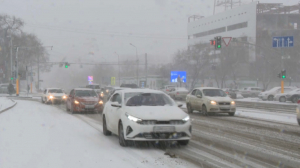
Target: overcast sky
point(77, 27)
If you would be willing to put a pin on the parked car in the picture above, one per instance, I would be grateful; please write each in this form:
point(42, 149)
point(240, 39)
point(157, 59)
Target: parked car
point(53, 95)
point(210, 100)
point(288, 96)
point(178, 93)
point(167, 88)
point(96, 87)
point(298, 111)
point(145, 115)
point(84, 100)
point(269, 95)
point(133, 86)
point(251, 91)
point(293, 96)
point(231, 93)
point(3, 88)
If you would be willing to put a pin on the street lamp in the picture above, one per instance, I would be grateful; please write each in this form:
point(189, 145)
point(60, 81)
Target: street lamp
point(118, 67)
point(137, 64)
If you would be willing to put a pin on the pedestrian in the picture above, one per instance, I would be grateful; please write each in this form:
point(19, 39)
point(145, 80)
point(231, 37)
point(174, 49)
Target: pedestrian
point(10, 88)
point(28, 88)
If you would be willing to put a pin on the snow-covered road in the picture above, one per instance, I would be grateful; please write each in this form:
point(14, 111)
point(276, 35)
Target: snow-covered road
point(36, 135)
point(5, 103)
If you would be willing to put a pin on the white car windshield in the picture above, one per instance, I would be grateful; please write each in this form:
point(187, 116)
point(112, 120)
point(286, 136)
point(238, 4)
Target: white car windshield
point(55, 91)
point(214, 93)
point(147, 99)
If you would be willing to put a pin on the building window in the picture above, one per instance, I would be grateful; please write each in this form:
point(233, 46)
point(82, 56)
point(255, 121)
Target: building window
point(210, 32)
point(237, 26)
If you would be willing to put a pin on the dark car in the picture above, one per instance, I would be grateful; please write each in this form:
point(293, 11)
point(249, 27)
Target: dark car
point(232, 94)
point(129, 86)
point(84, 100)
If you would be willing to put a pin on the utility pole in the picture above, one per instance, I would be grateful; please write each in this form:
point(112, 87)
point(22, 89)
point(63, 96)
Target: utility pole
point(137, 64)
point(118, 67)
point(146, 70)
point(11, 64)
point(38, 67)
point(17, 74)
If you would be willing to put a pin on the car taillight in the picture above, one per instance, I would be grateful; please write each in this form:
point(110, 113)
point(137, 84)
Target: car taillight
point(177, 93)
point(298, 101)
point(167, 90)
point(227, 92)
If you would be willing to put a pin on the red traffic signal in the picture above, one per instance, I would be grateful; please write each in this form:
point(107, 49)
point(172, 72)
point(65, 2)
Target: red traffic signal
point(213, 42)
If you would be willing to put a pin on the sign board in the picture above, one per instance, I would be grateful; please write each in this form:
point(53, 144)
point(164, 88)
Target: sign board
point(113, 81)
point(142, 84)
point(178, 76)
point(227, 40)
point(90, 79)
point(284, 41)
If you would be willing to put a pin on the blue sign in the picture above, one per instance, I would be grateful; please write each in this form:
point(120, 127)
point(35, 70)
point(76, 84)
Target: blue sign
point(178, 76)
point(286, 41)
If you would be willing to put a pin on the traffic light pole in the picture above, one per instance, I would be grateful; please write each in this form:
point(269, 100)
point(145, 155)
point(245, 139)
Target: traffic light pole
point(282, 86)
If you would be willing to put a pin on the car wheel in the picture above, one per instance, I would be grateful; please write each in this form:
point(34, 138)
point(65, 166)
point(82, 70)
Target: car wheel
point(295, 99)
point(282, 99)
point(271, 98)
point(122, 140)
point(231, 114)
point(189, 108)
point(253, 95)
point(204, 110)
point(106, 132)
point(298, 121)
point(43, 100)
point(183, 142)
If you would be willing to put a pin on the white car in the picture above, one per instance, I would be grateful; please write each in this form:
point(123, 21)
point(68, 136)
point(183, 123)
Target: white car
point(178, 93)
point(283, 97)
point(210, 100)
point(145, 115)
point(269, 95)
point(53, 95)
point(167, 88)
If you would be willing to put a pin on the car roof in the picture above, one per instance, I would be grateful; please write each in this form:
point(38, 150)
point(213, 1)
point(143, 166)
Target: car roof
point(201, 88)
point(140, 90)
point(83, 89)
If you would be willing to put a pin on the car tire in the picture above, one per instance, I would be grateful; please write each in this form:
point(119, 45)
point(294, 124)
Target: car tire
point(282, 99)
point(270, 98)
point(231, 114)
point(298, 121)
point(106, 132)
point(43, 100)
point(204, 110)
point(295, 99)
point(253, 95)
point(189, 108)
point(183, 142)
point(122, 140)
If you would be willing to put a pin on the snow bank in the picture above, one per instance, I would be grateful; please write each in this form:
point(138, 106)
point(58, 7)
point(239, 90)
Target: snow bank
point(37, 135)
point(5, 103)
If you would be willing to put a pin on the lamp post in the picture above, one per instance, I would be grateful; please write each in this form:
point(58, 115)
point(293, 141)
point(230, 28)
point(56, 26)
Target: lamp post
point(137, 64)
point(118, 67)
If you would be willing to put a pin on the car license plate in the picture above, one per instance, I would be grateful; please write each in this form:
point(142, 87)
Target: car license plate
point(225, 107)
point(164, 129)
point(89, 106)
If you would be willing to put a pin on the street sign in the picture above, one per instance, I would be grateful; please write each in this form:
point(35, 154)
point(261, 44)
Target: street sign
point(113, 81)
point(142, 84)
point(227, 40)
point(284, 41)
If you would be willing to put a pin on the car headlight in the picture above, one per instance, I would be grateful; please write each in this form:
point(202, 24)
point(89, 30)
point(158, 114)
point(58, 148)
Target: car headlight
point(134, 119)
point(64, 97)
point(213, 102)
point(51, 97)
point(232, 103)
point(101, 94)
point(101, 102)
point(107, 91)
point(76, 102)
point(187, 118)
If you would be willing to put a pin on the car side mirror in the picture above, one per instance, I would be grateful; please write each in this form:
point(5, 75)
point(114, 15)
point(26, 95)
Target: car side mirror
point(199, 96)
point(180, 105)
point(116, 104)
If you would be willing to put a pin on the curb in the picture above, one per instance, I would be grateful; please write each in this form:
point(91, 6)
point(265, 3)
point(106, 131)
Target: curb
point(9, 107)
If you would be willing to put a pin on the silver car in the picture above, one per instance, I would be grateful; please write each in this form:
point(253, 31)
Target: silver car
point(178, 93)
point(298, 112)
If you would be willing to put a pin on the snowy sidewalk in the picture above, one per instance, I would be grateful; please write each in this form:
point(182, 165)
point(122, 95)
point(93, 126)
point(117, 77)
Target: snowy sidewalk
point(36, 135)
point(5, 103)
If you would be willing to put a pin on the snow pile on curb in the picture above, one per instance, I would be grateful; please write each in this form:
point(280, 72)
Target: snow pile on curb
point(5, 103)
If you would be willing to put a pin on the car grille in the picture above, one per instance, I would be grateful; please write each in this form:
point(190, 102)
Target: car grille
point(174, 135)
point(154, 122)
point(57, 97)
point(224, 103)
point(89, 103)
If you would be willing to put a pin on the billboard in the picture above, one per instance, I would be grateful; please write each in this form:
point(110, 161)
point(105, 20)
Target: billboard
point(178, 76)
point(90, 79)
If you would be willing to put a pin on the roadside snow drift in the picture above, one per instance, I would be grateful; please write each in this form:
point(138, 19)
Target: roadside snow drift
point(5, 103)
point(40, 136)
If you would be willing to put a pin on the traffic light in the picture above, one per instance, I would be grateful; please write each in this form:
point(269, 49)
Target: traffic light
point(213, 42)
point(218, 44)
point(283, 74)
point(67, 65)
point(11, 78)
